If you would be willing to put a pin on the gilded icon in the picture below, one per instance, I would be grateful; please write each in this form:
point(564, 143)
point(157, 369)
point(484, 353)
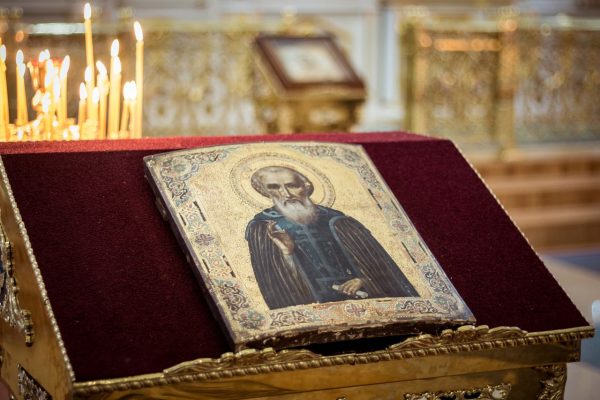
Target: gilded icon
point(300, 243)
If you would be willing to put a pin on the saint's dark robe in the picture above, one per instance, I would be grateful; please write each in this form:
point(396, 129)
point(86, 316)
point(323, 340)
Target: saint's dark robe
point(331, 250)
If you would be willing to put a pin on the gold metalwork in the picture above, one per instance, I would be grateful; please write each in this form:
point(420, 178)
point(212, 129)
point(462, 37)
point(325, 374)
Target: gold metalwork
point(501, 81)
point(254, 362)
point(496, 392)
point(554, 379)
point(558, 82)
point(10, 309)
point(198, 81)
point(452, 79)
point(462, 335)
point(29, 388)
point(244, 358)
point(34, 294)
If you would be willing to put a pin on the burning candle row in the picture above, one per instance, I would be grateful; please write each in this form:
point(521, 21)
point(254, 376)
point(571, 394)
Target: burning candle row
point(100, 107)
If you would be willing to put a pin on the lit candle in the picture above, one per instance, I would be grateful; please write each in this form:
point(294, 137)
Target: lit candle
point(139, 77)
point(55, 100)
point(36, 69)
point(89, 45)
point(82, 107)
point(132, 108)
point(64, 69)
point(115, 90)
point(95, 99)
point(22, 114)
point(103, 88)
point(49, 76)
point(89, 87)
point(4, 128)
point(49, 91)
point(126, 107)
point(46, 115)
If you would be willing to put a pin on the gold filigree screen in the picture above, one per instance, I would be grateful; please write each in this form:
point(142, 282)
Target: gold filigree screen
point(558, 89)
point(502, 81)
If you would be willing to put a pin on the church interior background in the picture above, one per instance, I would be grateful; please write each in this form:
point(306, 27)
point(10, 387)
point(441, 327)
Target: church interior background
point(514, 83)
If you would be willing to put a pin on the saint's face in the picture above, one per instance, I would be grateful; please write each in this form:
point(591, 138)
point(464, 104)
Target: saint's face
point(284, 186)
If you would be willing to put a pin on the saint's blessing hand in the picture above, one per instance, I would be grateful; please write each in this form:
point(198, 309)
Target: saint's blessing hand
point(281, 238)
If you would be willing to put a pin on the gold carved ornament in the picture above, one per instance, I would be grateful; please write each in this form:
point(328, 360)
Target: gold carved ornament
point(554, 379)
point(253, 362)
point(496, 392)
point(10, 308)
point(29, 262)
point(29, 388)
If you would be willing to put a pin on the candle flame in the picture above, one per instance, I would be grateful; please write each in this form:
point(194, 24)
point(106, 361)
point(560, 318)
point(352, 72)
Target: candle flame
point(87, 11)
point(88, 74)
point(44, 55)
point(114, 48)
point(117, 65)
point(95, 95)
point(127, 91)
point(101, 68)
point(21, 69)
point(74, 130)
point(3, 53)
point(82, 92)
point(64, 67)
point(139, 35)
point(19, 57)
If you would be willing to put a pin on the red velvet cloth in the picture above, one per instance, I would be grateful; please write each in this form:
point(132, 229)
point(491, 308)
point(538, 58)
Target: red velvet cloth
point(127, 303)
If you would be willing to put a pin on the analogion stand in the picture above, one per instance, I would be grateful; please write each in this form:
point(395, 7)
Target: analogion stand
point(98, 301)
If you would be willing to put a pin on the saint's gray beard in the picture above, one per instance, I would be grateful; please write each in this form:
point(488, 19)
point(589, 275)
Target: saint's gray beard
point(299, 211)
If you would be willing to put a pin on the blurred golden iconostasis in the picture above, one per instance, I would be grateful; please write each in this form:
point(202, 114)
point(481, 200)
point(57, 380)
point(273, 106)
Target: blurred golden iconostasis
point(488, 74)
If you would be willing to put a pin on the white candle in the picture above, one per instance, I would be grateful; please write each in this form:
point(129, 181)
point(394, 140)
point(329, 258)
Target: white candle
point(139, 78)
point(95, 100)
point(4, 120)
point(103, 89)
point(21, 97)
point(132, 109)
point(50, 92)
point(89, 44)
point(22, 114)
point(64, 69)
point(126, 108)
point(89, 87)
point(46, 116)
point(82, 107)
point(114, 98)
point(56, 99)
